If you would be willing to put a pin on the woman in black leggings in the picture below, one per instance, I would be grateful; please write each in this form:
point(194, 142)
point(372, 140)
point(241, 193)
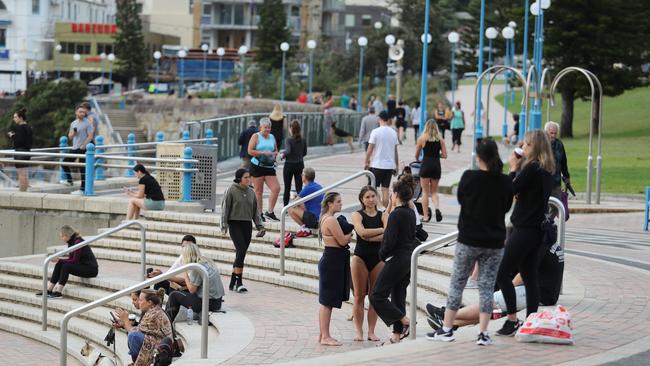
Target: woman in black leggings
point(238, 209)
point(293, 163)
point(81, 263)
point(532, 178)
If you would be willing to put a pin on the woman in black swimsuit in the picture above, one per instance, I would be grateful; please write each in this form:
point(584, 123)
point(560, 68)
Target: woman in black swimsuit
point(369, 225)
point(433, 149)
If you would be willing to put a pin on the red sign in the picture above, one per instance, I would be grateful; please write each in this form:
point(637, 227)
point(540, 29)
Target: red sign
point(93, 28)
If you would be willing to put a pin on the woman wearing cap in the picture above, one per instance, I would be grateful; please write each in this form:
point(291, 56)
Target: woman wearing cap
point(277, 124)
point(263, 149)
point(238, 209)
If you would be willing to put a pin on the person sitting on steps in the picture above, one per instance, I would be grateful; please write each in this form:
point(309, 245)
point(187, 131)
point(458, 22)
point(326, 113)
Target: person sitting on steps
point(149, 194)
point(177, 281)
point(307, 214)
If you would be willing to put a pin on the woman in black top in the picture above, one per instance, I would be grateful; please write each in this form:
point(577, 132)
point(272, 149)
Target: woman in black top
point(395, 251)
point(22, 140)
point(365, 264)
point(149, 194)
point(531, 180)
point(293, 164)
point(433, 149)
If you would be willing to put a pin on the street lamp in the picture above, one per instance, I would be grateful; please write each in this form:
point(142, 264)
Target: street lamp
point(242, 54)
point(204, 48)
point(220, 52)
point(378, 25)
point(362, 42)
point(76, 57)
point(311, 44)
point(424, 72)
point(111, 58)
point(512, 24)
point(157, 55)
point(491, 33)
point(181, 55)
point(102, 57)
point(537, 9)
point(58, 49)
point(390, 41)
point(453, 38)
point(284, 47)
point(478, 132)
point(507, 33)
point(429, 38)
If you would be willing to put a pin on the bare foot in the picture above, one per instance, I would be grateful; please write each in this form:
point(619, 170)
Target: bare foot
point(358, 337)
point(373, 338)
point(329, 341)
point(351, 317)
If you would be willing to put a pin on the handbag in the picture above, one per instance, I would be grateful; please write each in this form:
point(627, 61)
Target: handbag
point(564, 198)
point(420, 233)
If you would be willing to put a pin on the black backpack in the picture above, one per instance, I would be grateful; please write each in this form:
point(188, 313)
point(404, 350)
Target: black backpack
point(164, 352)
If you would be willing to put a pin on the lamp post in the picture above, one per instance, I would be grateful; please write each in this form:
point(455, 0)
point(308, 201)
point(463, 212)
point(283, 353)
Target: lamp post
point(478, 131)
point(428, 39)
point(311, 45)
point(242, 55)
point(58, 49)
point(390, 41)
point(453, 38)
point(205, 48)
point(491, 33)
point(76, 57)
point(378, 25)
point(362, 42)
point(523, 120)
point(423, 79)
point(102, 57)
point(157, 55)
point(507, 33)
point(537, 9)
point(181, 82)
point(110, 58)
point(284, 47)
point(512, 24)
point(220, 52)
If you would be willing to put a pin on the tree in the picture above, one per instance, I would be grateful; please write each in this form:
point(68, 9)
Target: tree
point(129, 42)
point(272, 31)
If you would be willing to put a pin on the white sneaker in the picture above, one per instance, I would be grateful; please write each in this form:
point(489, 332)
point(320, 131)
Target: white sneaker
point(65, 183)
point(484, 339)
point(77, 193)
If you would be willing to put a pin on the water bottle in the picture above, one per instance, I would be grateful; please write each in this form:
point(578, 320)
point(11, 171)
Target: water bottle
point(190, 315)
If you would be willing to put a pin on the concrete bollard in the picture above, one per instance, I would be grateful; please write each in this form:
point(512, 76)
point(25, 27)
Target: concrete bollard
point(89, 189)
point(99, 171)
point(209, 134)
point(187, 176)
point(130, 140)
point(63, 143)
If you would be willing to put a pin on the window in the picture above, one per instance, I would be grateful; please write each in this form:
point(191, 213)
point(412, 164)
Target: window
point(239, 14)
point(349, 20)
point(69, 12)
point(83, 48)
point(3, 37)
point(225, 14)
point(36, 6)
point(138, 8)
point(366, 20)
point(75, 13)
point(295, 11)
point(106, 48)
point(207, 9)
point(72, 48)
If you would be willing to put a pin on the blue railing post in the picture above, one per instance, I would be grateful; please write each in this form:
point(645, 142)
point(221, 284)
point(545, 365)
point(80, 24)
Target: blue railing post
point(209, 134)
point(63, 143)
point(99, 172)
point(160, 136)
point(130, 140)
point(89, 189)
point(186, 135)
point(187, 176)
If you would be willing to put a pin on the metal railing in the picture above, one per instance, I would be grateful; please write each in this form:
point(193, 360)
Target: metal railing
point(46, 263)
point(285, 209)
point(115, 137)
point(205, 297)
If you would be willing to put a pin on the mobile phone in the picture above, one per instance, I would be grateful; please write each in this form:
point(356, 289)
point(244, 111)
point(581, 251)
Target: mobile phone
point(74, 129)
point(113, 316)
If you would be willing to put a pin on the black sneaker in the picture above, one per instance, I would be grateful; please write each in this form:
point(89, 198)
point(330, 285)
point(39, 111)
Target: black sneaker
point(510, 327)
point(435, 321)
point(271, 216)
point(441, 336)
point(483, 339)
point(438, 215)
point(432, 309)
point(55, 295)
point(40, 293)
point(262, 217)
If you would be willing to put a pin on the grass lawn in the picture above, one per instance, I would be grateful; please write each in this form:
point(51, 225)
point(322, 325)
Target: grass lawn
point(626, 141)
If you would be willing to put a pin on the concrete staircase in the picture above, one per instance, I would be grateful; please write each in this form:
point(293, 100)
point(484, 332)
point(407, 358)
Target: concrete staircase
point(124, 122)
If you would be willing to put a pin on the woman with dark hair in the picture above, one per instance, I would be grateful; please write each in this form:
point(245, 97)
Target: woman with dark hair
point(369, 225)
point(294, 163)
point(484, 195)
point(395, 251)
point(149, 195)
point(333, 267)
point(532, 181)
point(457, 126)
point(328, 119)
point(22, 141)
point(238, 209)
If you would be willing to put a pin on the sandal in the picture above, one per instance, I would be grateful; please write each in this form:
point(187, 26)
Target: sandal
point(390, 341)
point(405, 331)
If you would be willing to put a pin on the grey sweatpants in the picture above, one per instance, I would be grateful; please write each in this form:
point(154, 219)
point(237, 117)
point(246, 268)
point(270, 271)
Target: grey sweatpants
point(488, 265)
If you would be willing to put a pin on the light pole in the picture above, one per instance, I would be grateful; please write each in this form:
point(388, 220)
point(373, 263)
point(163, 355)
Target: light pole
point(424, 72)
point(181, 82)
point(58, 49)
point(507, 33)
point(453, 38)
point(378, 25)
point(478, 131)
point(205, 48)
point(512, 24)
point(390, 41)
point(220, 52)
point(76, 57)
point(311, 44)
point(537, 9)
point(242, 55)
point(102, 57)
point(284, 47)
point(523, 119)
point(111, 58)
point(157, 55)
point(362, 42)
point(429, 39)
point(491, 33)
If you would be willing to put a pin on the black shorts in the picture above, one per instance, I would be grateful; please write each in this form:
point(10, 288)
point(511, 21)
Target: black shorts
point(309, 220)
point(401, 123)
point(382, 177)
point(260, 171)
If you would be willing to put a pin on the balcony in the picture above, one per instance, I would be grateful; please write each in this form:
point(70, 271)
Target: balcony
point(333, 29)
point(333, 6)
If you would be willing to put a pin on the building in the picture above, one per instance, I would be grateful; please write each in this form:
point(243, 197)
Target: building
point(27, 29)
point(171, 18)
point(361, 17)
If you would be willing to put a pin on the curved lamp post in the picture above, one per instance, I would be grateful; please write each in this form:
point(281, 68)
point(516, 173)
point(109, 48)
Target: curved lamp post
point(220, 52)
point(508, 34)
point(58, 49)
point(453, 38)
point(111, 59)
point(491, 33)
point(284, 47)
point(311, 45)
point(205, 48)
point(390, 41)
point(242, 51)
point(156, 56)
point(181, 82)
point(362, 42)
point(76, 57)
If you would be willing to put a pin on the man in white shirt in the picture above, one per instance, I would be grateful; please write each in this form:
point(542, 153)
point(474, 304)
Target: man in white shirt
point(368, 123)
point(179, 280)
point(381, 157)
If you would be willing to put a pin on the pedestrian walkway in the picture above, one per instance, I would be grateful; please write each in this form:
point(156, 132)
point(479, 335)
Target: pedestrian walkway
point(19, 350)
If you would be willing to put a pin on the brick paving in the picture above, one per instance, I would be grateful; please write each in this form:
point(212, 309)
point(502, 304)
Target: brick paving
point(19, 350)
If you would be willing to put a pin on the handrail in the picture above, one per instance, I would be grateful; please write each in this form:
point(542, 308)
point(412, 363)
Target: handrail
point(283, 213)
point(431, 245)
point(46, 262)
point(114, 135)
point(101, 156)
point(116, 146)
point(63, 354)
point(263, 115)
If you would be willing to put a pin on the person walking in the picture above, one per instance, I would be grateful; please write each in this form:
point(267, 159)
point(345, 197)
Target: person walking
point(457, 127)
point(148, 196)
point(21, 137)
point(238, 209)
point(382, 157)
point(244, 138)
point(415, 120)
point(532, 180)
point(484, 195)
point(365, 264)
point(263, 149)
point(433, 149)
point(277, 124)
point(440, 115)
point(81, 133)
point(559, 154)
point(353, 102)
point(293, 160)
point(400, 121)
point(368, 123)
point(395, 250)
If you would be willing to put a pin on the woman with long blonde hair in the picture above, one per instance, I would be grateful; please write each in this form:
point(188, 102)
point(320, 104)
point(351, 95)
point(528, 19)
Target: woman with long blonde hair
point(532, 180)
point(433, 148)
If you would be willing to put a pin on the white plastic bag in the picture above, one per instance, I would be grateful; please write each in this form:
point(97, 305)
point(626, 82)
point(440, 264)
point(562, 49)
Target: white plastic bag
point(547, 327)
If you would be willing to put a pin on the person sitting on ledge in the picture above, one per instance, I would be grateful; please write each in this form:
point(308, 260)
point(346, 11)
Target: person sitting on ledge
point(149, 194)
point(306, 215)
point(177, 282)
point(81, 263)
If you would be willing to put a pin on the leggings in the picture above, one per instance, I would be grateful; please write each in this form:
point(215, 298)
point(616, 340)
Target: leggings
point(488, 265)
point(187, 299)
point(63, 270)
point(521, 255)
point(240, 233)
point(292, 170)
point(81, 170)
point(392, 281)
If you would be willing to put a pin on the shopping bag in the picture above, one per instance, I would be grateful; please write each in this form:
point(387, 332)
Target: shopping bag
point(547, 326)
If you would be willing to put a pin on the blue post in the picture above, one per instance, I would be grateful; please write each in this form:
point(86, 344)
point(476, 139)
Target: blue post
point(524, 108)
point(209, 133)
point(63, 144)
point(478, 133)
point(536, 114)
point(424, 72)
point(89, 189)
point(160, 136)
point(453, 73)
point(186, 135)
point(504, 131)
point(284, 60)
point(130, 140)
point(512, 63)
point(359, 87)
point(311, 73)
point(99, 172)
point(241, 77)
point(647, 208)
point(187, 176)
